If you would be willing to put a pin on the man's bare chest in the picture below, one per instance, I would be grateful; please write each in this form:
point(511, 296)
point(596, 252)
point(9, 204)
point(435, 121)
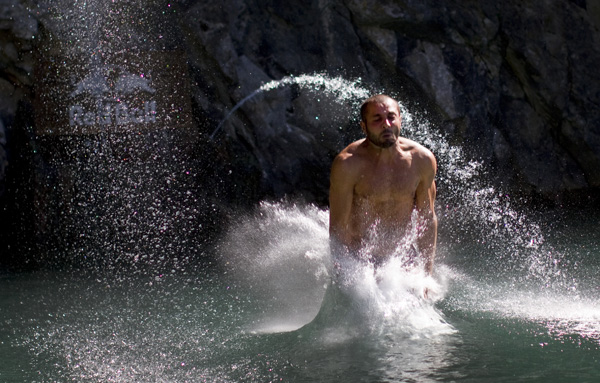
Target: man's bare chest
point(387, 183)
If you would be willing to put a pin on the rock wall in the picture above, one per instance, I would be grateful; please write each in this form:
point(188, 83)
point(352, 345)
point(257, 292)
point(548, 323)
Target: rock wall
point(17, 30)
point(514, 83)
point(511, 81)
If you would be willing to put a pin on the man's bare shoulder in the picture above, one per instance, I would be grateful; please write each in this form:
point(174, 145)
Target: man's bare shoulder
point(348, 162)
point(354, 148)
point(352, 153)
point(418, 151)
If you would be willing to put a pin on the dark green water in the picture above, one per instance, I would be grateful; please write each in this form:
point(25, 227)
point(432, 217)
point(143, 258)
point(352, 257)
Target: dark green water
point(492, 322)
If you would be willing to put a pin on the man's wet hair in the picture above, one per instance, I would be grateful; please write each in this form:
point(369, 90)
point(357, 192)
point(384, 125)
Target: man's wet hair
point(372, 100)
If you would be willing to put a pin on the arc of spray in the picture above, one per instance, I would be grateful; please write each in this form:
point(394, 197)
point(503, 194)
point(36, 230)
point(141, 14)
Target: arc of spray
point(265, 87)
point(344, 89)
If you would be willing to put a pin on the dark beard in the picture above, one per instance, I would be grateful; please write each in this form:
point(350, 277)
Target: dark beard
point(381, 144)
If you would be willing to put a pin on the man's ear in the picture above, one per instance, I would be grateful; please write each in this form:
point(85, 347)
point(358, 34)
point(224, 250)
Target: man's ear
point(363, 126)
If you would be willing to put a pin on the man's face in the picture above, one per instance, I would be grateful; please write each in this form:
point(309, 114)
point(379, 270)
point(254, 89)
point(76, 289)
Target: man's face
point(382, 123)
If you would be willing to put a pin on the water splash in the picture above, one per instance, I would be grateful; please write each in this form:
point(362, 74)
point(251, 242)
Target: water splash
point(338, 88)
point(279, 258)
point(382, 302)
point(497, 255)
point(509, 245)
point(281, 254)
point(286, 263)
point(467, 204)
point(469, 207)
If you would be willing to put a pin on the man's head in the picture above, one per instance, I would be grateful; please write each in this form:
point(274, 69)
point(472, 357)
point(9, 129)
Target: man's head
point(381, 120)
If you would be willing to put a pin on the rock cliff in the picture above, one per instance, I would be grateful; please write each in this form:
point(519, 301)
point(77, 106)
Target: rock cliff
point(513, 83)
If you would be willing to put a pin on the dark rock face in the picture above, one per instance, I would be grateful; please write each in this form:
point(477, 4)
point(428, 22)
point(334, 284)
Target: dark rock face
point(17, 29)
point(514, 83)
point(506, 79)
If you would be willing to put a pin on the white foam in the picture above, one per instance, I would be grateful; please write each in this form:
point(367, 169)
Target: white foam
point(282, 255)
point(561, 311)
point(388, 300)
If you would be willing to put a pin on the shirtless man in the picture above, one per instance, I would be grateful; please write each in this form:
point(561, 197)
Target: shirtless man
point(376, 184)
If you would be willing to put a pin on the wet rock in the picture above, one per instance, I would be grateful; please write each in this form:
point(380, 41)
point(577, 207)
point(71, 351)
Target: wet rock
point(17, 29)
point(3, 157)
point(513, 82)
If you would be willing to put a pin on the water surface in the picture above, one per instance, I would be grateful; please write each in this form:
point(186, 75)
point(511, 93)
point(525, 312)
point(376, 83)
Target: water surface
point(251, 320)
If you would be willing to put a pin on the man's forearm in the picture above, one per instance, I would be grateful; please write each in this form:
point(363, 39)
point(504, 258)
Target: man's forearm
point(427, 241)
point(339, 242)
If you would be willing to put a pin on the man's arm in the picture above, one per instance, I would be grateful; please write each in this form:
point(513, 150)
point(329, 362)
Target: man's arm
point(341, 193)
point(425, 205)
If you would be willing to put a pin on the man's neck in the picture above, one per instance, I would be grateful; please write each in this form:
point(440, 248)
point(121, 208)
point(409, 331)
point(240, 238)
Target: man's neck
point(383, 153)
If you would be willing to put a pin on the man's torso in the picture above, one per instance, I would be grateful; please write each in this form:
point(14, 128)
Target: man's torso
point(383, 200)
